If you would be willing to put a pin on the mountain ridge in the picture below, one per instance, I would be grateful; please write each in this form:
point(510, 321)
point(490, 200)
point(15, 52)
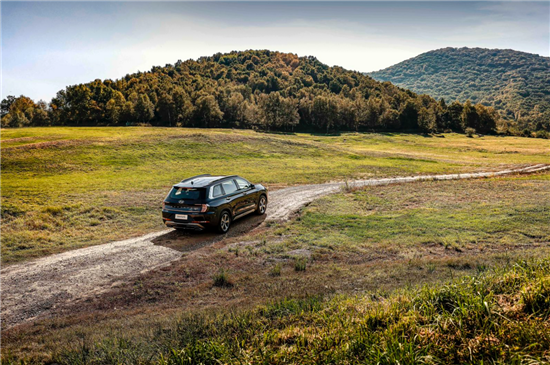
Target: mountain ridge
point(515, 83)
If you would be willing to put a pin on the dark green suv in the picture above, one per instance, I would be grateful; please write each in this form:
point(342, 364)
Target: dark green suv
point(212, 201)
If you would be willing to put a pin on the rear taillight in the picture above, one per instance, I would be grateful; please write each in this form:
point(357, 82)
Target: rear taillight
point(204, 208)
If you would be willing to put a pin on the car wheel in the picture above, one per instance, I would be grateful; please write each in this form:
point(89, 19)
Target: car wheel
point(262, 205)
point(225, 222)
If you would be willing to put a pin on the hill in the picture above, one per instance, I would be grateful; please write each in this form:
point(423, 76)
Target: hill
point(252, 89)
point(516, 84)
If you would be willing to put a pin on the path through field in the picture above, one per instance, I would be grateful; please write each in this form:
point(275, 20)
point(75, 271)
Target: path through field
point(35, 287)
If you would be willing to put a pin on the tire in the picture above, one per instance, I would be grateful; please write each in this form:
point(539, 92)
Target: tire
point(225, 222)
point(262, 205)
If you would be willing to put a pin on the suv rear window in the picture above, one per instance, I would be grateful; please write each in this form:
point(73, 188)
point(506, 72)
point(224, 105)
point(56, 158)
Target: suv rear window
point(186, 193)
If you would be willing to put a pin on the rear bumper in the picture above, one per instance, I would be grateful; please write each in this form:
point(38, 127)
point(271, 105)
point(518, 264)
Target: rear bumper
point(198, 221)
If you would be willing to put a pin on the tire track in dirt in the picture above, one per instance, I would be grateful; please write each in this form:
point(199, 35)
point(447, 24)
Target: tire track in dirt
point(34, 288)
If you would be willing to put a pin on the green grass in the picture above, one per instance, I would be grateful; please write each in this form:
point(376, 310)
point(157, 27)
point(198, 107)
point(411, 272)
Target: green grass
point(64, 188)
point(498, 316)
point(402, 220)
point(390, 258)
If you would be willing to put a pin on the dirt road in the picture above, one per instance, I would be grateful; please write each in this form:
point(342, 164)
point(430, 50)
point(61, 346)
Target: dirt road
point(34, 288)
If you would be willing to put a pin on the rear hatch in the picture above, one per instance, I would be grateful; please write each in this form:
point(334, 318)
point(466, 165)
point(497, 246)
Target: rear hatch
point(185, 199)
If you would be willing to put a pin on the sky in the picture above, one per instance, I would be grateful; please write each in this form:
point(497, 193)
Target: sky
point(49, 45)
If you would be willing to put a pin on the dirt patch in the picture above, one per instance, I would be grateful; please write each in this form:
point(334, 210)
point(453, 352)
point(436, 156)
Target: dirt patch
point(19, 139)
point(48, 144)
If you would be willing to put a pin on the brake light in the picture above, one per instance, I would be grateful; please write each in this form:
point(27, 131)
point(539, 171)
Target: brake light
point(204, 208)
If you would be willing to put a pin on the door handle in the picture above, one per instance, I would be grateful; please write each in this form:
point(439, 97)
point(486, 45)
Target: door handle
point(227, 198)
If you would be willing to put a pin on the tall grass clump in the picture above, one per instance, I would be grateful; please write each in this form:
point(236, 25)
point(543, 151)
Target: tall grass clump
point(221, 279)
point(275, 270)
point(300, 264)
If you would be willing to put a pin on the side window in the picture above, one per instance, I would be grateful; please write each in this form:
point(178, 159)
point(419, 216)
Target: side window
point(229, 187)
point(242, 183)
point(217, 191)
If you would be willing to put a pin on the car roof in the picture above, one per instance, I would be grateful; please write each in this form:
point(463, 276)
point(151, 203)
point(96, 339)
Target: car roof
point(202, 181)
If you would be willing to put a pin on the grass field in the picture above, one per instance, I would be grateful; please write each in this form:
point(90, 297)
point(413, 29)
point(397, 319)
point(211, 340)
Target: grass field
point(499, 316)
point(64, 188)
point(430, 272)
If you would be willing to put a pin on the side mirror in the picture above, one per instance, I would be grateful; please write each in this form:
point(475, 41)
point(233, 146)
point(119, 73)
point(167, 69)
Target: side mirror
point(251, 186)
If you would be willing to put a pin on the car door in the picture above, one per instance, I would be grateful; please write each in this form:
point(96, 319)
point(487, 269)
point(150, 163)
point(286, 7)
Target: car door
point(249, 193)
point(233, 197)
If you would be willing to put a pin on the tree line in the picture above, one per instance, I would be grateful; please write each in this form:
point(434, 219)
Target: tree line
point(253, 89)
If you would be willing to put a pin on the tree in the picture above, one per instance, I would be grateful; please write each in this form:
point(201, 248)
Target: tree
point(455, 116)
point(5, 105)
point(18, 119)
point(359, 112)
point(487, 119)
point(127, 113)
point(470, 118)
point(324, 112)
point(183, 107)
point(207, 112)
point(234, 112)
point(144, 109)
point(114, 108)
point(427, 121)
point(40, 116)
point(167, 109)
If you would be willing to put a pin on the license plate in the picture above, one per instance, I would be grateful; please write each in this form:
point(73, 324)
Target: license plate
point(181, 216)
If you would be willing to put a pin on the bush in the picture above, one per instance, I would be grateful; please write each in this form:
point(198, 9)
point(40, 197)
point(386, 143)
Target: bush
point(470, 132)
point(275, 270)
point(542, 134)
point(300, 264)
point(221, 279)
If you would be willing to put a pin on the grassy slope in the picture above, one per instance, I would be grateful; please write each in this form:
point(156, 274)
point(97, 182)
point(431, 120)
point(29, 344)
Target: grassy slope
point(64, 188)
point(495, 317)
point(378, 243)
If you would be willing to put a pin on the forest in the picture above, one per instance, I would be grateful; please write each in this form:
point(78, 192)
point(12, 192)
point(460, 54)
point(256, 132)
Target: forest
point(516, 84)
point(263, 90)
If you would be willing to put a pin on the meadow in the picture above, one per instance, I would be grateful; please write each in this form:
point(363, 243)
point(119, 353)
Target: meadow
point(430, 272)
point(68, 187)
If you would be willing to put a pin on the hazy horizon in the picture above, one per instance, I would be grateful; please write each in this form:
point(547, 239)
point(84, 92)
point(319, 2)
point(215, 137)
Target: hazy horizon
point(49, 45)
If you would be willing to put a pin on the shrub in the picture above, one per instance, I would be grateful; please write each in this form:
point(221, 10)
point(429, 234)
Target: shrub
point(300, 264)
point(221, 279)
point(275, 270)
point(542, 134)
point(470, 132)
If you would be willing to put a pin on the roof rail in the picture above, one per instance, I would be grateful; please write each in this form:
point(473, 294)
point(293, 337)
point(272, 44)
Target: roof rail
point(224, 177)
point(194, 177)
